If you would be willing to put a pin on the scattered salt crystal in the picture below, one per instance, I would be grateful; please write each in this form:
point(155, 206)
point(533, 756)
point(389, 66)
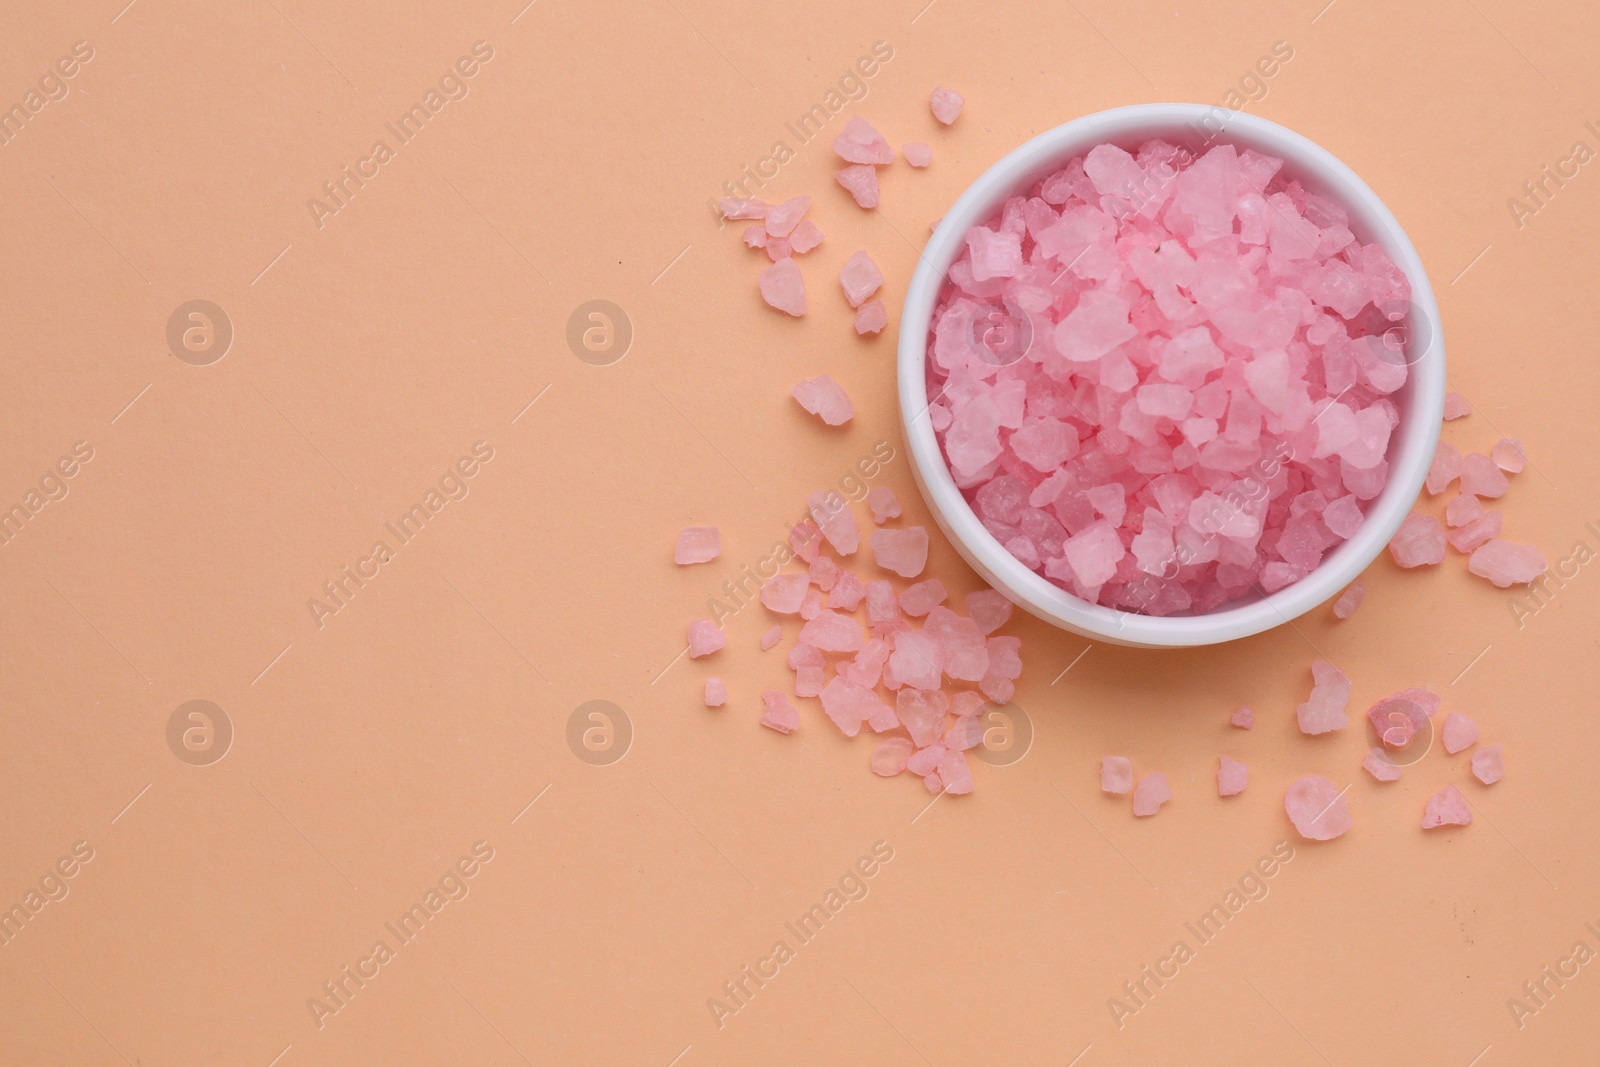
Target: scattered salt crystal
point(812, 605)
point(889, 758)
point(849, 705)
point(1380, 766)
point(716, 693)
point(860, 278)
point(1481, 477)
point(922, 712)
point(1445, 469)
point(825, 398)
point(861, 182)
point(1462, 509)
point(778, 248)
point(905, 552)
point(1508, 455)
point(783, 218)
point(954, 772)
point(837, 522)
point(805, 237)
point(1243, 717)
point(697, 544)
point(917, 660)
point(704, 638)
point(784, 593)
point(771, 637)
point(1116, 774)
point(1447, 807)
point(1488, 764)
point(917, 153)
point(738, 207)
point(1324, 711)
point(823, 573)
point(1317, 808)
point(1455, 406)
point(1151, 792)
point(755, 236)
point(946, 104)
point(1350, 599)
point(925, 761)
point(923, 597)
point(989, 609)
point(777, 713)
point(1397, 719)
point(861, 143)
point(832, 632)
point(871, 317)
point(883, 504)
point(805, 538)
point(783, 288)
point(1506, 563)
point(846, 593)
point(1476, 532)
point(1459, 733)
point(1232, 777)
point(1419, 542)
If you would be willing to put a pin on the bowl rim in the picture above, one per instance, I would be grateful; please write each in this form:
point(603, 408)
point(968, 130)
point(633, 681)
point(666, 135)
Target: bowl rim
point(1411, 447)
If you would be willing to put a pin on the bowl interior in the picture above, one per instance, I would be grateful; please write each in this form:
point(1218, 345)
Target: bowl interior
point(1197, 128)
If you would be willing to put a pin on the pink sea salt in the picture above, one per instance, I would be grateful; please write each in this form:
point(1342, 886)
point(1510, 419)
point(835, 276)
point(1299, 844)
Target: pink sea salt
point(783, 288)
point(954, 772)
point(1447, 807)
point(1232, 777)
point(1459, 733)
point(805, 237)
point(1455, 406)
point(1508, 455)
point(1482, 477)
point(1151, 792)
point(988, 609)
point(784, 593)
point(1350, 599)
point(889, 758)
point(1243, 717)
point(861, 182)
point(824, 398)
point(783, 218)
point(831, 631)
point(1317, 808)
point(1506, 563)
point(1324, 710)
point(883, 504)
point(837, 522)
point(697, 544)
point(1380, 766)
point(777, 713)
point(905, 552)
point(917, 153)
point(847, 593)
point(704, 638)
point(1419, 542)
point(1462, 509)
point(861, 143)
point(859, 278)
point(1446, 468)
point(771, 637)
point(1488, 764)
point(923, 597)
point(738, 207)
point(1116, 774)
point(716, 693)
point(1397, 719)
point(946, 104)
point(755, 236)
point(1477, 532)
point(871, 317)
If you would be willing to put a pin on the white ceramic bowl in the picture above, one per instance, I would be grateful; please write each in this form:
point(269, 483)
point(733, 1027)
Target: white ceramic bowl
point(1421, 400)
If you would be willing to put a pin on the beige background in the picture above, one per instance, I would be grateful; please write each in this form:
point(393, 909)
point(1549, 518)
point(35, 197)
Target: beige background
point(373, 752)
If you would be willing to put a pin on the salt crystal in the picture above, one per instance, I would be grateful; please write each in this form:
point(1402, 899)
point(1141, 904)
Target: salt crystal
point(883, 504)
point(738, 207)
point(994, 255)
point(1243, 717)
point(784, 593)
point(1455, 406)
point(697, 544)
point(777, 713)
point(1116, 774)
point(917, 153)
point(825, 398)
point(871, 317)
point(832, 632)
point(946, 104)
point(1476, 532)
point(1378, 764)
point(846, 593)
point(782, 219)
point(923, 597)
point(889, 758)
point(989, 609)
point(861, 182)
point(860, 278)
point(1419, 542)
point(1459, 733)
point(1447, 807)
point(771, 637)
point(805, 538)
point(1232, 777)
point(1481, 477)
point(1506, 563)
point(1151, 792)
point(1350, 599)
point(1317, 808)
point(1445, 469)
point(922, 713)
point(1462, 509)
point(783, 288)
point(755, 236)
point(806, 236)
point(704, 638)
point(838, 524)
point(860, 143)
point(811, 606)
point(716, 693)
point(917, 660)
point(905, 552)
point(1324, 711)
point(1508, 455)
point(925, 761)
point(1488, 764)
point(955, 773)
point(849, 705)
point(778, 248)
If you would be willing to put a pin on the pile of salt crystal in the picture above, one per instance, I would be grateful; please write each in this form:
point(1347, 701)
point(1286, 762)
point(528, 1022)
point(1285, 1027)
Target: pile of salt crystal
point(1162, 382)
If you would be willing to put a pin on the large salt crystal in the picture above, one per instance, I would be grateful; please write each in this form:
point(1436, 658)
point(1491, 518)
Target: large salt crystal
point(1459, 733)
point(954, 772)
point(782, 219)
point(1488, 764)
point(917, 153)
point(1325, 709)
point(905, 552)
point(772, 636)
point(697, 544)
point(1243, 717)
point(922, 713)
point(783, 288)
point(1446, 468)
point(989, 609)
point(1317, 808)
point(738, 207)
point(946, 104)
point(837, 522)
point(1116, 774)
point(1151, 792)
point(889, 758)
point(994, 255)
point(860, 143)
point(1397, 719)
point(847, 593)
point(704, 638)
point(1350, 599)
point(1455, 406)
point(923, 597)
point(1419, 542)
point(871, 317)
point(1097, 325)
point(1477, 532)
point(1093, 554)
point(1447, 807)
point(1378, 764)
point(824, 398)
point(1462, 510)
point(917, 660)
point(963, 651)
point(777, 713)
point(860, 278)
point(1506, 563)
point(806, 236)
point(784, 593)
point(716, 693)
point(1481, 477)
point(832, 632)
point(861, 182)
point(1232, 777)
point(850, 705)
point(1508, 455)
